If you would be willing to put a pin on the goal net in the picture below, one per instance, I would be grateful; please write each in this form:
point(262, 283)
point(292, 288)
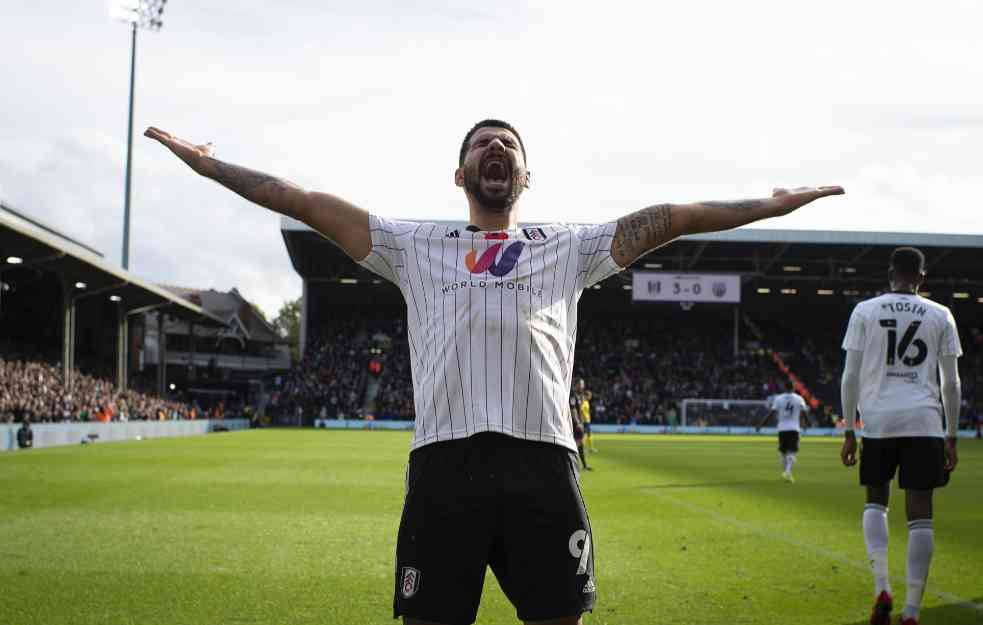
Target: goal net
point(722, 412)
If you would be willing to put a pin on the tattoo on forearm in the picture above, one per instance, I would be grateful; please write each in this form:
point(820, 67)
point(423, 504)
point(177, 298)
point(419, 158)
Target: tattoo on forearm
point(739, 205)
point(255, 186)
point(641, 232)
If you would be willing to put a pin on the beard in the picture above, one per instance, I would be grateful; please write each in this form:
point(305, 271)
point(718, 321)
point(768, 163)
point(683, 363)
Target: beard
point(498, 202)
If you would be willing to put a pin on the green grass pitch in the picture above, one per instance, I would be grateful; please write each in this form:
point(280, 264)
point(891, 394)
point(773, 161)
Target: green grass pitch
point(283, 527)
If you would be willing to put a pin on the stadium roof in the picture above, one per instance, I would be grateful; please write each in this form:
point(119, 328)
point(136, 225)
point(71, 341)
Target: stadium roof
point(819, 256)
point(26, 243)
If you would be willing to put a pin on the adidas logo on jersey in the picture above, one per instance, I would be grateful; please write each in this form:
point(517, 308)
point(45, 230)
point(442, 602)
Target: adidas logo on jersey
point(453, 234)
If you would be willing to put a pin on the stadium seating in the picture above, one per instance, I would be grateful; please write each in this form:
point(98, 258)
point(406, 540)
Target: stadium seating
point(639, 366)
point(33, 388)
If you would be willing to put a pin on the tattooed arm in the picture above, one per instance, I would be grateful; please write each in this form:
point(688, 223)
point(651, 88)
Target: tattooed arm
point(641, 232)
point(344, 223)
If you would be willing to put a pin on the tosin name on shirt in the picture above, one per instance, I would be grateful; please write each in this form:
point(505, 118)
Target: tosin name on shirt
point(907, 307)
point(505, 285)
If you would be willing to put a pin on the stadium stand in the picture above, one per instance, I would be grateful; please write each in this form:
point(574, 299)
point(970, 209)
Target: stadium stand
point(66, 331)
point(35, 391)
point(642, 359)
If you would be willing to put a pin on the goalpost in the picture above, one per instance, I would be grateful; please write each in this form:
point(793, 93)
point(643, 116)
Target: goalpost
point(722, 412)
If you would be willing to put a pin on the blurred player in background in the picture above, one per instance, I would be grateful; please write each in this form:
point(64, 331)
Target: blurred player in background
point(791, 410)
point(491, 323)
point(898, 346)
point(583, 398)
point(585, 418)
point(578, 436)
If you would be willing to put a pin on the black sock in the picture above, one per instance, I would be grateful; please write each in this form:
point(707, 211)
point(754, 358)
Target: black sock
point(580, 450)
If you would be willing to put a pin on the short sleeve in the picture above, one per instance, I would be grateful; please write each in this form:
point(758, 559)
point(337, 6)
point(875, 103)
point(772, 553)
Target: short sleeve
point(773, 405)
point(950, 345)
point(802, 403)
point(595, 262)
point(389, 238)
point(855, 332)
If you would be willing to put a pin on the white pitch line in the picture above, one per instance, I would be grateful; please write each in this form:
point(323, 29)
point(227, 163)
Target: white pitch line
point(827, 553)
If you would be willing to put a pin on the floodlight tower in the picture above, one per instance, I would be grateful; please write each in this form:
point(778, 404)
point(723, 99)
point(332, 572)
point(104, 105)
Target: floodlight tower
point(138, 14)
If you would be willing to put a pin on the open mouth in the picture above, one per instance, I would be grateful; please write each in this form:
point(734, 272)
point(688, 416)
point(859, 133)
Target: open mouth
point(495, 170)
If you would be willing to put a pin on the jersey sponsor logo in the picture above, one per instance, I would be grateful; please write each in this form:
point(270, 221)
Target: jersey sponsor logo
point(496, 236)
point(579, 545)
point(534, 234)
point(487, 261)
point(453, 234)
point(503, 285)
point(911, 376)
point(410, 583)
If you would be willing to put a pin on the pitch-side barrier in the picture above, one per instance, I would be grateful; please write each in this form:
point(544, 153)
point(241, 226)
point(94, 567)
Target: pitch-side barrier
point(56, 434)
point(605, 428)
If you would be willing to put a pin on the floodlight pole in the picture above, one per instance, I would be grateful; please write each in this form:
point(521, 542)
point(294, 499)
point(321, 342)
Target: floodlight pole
point(139, 14)
point(129, 150)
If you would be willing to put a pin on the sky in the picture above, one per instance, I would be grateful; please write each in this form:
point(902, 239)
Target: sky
point(620, 104)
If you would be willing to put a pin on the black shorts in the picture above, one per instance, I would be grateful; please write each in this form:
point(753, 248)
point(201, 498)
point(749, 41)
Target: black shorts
point(788, 442)
point(921, 461)
point(493, 500)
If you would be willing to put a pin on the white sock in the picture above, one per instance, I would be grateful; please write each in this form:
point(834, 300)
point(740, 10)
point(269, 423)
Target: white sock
point(790, 462)
point(783, 460)
point(875, 537)
point(921, 545)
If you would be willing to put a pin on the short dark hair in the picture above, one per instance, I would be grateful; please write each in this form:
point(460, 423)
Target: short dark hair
point(908, 261)
point(488, 123)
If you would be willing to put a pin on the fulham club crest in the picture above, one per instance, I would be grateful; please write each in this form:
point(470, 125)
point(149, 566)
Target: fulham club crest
point(534, 234)
point(410, 582)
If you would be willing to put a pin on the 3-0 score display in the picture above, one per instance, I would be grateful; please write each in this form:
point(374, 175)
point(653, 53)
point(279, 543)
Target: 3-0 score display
point(662, 286)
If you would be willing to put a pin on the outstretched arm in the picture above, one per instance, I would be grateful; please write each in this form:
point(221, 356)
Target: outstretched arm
point(345, 224)
point(641, 232)
point(768, 417)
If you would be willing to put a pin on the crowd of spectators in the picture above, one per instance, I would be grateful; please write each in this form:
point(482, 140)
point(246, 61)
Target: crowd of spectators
point(639, 367)
point(34, 390)
point(638, 370)
point(332, 378)
point(971, 374)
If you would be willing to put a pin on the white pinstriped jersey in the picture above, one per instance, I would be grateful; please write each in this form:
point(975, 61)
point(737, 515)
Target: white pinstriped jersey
point(492, 322)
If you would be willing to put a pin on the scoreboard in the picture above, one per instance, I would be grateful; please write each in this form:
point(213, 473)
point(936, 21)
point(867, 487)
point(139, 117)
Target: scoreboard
point(664, 286)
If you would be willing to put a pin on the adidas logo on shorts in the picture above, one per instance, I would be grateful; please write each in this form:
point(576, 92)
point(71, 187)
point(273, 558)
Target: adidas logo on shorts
point(589, 586)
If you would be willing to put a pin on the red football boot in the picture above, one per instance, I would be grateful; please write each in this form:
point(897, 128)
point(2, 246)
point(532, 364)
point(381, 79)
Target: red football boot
point(882, 609)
